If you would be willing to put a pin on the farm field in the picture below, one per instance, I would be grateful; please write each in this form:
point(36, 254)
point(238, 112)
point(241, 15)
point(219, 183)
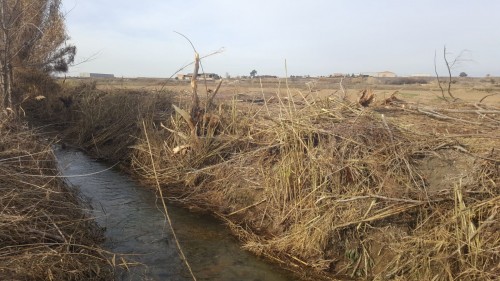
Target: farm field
point(466, 89)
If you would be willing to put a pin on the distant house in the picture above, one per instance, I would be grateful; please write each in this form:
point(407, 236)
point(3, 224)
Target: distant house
point(384, 74)
point(207, 76)
point(367, 74)
point(96, 75)
point(266, 76)
point(337, 74)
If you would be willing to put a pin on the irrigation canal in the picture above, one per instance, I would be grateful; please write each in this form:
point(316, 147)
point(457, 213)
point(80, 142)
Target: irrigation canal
point(135, 226)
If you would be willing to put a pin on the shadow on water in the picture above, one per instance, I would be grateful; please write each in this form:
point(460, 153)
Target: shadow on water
point(134, 225)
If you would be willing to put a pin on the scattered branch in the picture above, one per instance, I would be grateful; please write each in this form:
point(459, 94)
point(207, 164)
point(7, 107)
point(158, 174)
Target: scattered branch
point(481, 100)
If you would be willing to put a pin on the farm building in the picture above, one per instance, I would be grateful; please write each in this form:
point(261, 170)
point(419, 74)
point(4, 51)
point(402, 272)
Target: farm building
point(386, 74)
point(96, 75)
point(266, 76)
point(337, 74)
point(207, 76)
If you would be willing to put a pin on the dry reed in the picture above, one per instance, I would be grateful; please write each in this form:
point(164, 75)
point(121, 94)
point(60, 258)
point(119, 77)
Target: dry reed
point(388, 192)
point(342, 190)
point(45, 234)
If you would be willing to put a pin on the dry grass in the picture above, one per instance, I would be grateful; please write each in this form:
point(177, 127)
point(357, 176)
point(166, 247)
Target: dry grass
point(105, 123)
point(44, 232)
point(340, 189)
point(388, 192)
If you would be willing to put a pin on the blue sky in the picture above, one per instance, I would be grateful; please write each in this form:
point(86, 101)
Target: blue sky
point(316, 37)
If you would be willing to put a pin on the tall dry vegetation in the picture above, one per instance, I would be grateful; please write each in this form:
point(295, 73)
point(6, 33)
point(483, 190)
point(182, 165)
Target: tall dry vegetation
point(106, 123)
point(323, 184)
point(32, 40)
point(45, 230)
point(342, 190)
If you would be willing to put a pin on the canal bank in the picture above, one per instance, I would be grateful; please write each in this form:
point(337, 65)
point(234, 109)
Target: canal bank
point(46, 232)
point(324, 187)
point(136, 229)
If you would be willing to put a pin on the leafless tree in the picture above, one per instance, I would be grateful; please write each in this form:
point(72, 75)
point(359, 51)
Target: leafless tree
point(449, 67)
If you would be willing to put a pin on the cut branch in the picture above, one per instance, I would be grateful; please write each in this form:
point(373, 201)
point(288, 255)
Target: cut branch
point(481, 100)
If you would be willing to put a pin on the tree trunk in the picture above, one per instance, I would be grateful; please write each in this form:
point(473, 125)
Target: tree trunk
point(4, 57)
point(6, 79)
point(32, 36)
point(2, 94)
point(8, 86)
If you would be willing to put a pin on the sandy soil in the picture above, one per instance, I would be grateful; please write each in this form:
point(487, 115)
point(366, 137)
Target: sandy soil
point(470, 90)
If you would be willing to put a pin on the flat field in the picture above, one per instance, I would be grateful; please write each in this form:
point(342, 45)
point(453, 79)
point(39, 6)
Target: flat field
point(417, 90)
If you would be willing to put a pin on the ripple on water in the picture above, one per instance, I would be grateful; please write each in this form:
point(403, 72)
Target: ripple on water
point(135, 226)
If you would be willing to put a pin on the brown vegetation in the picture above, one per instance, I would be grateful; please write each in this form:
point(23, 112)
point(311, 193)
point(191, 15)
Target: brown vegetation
point(366, 97)
point(32, 39)
point(395, 191)
point(45, 234)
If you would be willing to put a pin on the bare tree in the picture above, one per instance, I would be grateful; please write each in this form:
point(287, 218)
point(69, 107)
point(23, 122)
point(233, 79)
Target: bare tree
point(449, 67)
point(33, 37)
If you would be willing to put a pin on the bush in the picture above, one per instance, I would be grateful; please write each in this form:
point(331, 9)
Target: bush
point(406, 80)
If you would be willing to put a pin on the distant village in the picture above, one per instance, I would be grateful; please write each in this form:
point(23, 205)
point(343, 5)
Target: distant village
point(214, 76)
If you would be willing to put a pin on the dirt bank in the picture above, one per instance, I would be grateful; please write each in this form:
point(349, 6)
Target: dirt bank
point(398, 191)
point(45, 232)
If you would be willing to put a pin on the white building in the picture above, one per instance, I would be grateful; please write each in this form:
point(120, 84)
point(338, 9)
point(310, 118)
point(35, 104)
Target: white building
point(96, 75)
point(384, 74)
point(201, 76)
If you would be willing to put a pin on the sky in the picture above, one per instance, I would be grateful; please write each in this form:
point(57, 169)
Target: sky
point(133, 38)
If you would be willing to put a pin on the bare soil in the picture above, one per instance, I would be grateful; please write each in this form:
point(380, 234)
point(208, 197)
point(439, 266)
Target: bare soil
point(470, 90)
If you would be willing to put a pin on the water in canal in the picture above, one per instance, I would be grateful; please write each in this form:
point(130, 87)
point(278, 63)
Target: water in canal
point(134, 225)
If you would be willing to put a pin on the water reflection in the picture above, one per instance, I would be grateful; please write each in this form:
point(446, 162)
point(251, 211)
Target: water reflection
point(134, 225)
